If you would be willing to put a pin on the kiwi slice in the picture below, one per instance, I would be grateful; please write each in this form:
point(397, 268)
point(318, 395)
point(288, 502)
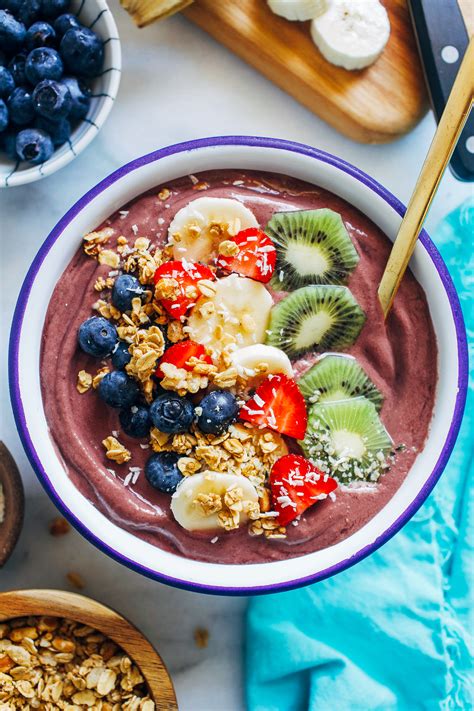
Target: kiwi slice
point(313, 247)
point(338, 377)
point(347, 440)
point(324, 317)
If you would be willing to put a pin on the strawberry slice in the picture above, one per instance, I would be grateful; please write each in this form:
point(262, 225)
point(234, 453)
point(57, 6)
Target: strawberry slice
point(179, 353)
point(296, 484)
point(187, 274)
point(278, 404)
point(256, 256)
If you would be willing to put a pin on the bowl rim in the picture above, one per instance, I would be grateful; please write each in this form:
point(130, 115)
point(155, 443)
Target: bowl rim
point(258, 142)
point(59, 159)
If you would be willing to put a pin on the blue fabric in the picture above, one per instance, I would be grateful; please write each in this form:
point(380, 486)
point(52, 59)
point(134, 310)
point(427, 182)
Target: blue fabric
point(393, 632)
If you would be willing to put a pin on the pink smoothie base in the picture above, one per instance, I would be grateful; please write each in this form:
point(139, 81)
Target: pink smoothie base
point(261, 143)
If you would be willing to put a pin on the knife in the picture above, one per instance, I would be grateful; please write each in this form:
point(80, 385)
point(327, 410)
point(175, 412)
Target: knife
point(442, 40)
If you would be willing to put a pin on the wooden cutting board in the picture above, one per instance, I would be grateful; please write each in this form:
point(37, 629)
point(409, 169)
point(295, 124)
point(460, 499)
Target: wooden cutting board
point(373, 105)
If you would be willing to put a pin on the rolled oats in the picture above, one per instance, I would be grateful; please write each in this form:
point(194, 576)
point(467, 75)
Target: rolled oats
point(208, 504)
point(110, 258)
point(59, 526)
point(207, 288)
point(115, 451)
point(226, 378)
point(167, 288)
point(159, 440)
point(164, 194)
point(98, 376)
point(188, 465)
point(175, 331)
point(84, 678)
point(76, 580)
point(206, 309)
point(182, 381)
point(101, 283)
point(228, 248)
point(84, 381)
point(201, 637)
point(92, 242)
point(106, 310)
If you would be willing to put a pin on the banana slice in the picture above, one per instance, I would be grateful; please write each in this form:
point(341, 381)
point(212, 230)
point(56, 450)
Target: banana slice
point(237, 313)
point(352, 33)
point(257, 361)
point(298, 9)
point(190, 504)
point(198, 228)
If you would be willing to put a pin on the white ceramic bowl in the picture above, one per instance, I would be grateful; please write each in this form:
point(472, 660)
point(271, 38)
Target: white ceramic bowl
point(96, 15)
point(160, 167)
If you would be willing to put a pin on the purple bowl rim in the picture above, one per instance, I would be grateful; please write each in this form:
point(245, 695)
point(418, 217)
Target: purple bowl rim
point(255, 142)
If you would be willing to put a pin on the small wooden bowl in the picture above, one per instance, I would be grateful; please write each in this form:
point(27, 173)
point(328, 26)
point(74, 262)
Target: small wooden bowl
point(14, 497)
point(56, 603)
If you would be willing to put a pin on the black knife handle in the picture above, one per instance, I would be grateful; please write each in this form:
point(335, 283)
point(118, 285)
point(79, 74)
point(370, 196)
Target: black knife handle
point(442, 41)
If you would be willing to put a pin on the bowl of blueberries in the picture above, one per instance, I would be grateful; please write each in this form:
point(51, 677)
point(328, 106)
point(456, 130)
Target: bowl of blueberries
point(60, 65)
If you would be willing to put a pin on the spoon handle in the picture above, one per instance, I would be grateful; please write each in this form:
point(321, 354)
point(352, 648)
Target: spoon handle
point(450, 126)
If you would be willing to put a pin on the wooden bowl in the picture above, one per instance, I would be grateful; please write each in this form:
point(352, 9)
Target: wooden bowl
point(56, 603)
point(14, 497)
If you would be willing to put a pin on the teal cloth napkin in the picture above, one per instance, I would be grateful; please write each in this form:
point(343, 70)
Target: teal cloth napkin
point(394, 631)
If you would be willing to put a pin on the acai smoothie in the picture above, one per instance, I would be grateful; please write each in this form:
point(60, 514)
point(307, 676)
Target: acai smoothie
point(217, 374)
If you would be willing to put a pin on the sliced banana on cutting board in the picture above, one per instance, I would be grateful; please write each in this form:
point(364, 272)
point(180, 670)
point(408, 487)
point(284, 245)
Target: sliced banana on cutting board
point(238, 313)
point(298, 9)
point(260, 360)
point(189, 502)
point(351, 33)
point(199, 227)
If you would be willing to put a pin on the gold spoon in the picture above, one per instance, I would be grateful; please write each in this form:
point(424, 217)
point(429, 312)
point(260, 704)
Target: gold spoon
point(450, 126)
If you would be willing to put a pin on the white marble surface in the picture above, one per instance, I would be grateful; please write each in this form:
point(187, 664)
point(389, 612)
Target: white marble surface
point(177, 84)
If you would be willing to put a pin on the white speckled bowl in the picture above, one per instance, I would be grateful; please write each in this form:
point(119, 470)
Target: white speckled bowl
point(96, 15)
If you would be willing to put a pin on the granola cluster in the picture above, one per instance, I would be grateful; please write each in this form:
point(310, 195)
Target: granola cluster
point(51, 663)
point(146, 341)
point(243, 449)
point(228, 506)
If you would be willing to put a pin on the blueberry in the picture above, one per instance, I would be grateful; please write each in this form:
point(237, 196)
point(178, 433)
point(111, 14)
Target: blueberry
point(3, 58)
point(40, 34)
point(3, 115)
point(97, 336)
point(118, 390)
point(121, 355)
point(171, 413)
point(161, 471)
point(7, 83)
point(81, 97)
point(17, 68)
point(12, 5)
point(20, 106)
point(53, 8)
point(126, 288)
point(59, 131)
point(34, 145)
point(12, 32)
point(135, 421)
point(29, 11)
point(66, 22)
point(43, 63)
point(52, 99)
point(82, 51)
point(219, 410)
point(8, 144)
